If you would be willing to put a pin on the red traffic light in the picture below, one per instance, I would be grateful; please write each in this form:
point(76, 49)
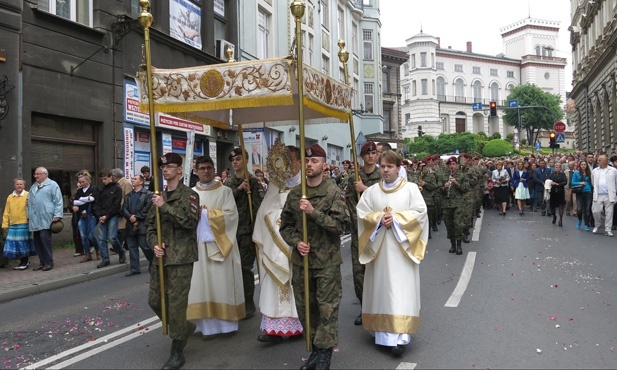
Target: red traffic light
point(493, 105)
point(493, 110)
point(551, 135)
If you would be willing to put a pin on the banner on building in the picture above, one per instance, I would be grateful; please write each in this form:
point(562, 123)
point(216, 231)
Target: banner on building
point(129, 152)
point(132, 113)
point(335, 153)
point(185, 22)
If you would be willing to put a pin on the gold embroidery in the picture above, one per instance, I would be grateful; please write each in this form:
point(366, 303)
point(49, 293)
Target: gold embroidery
point(391, 323)
point(285, 294)
point(211, 83)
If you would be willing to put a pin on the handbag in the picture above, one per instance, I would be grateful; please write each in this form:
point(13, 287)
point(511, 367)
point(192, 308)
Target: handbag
point(577, 188)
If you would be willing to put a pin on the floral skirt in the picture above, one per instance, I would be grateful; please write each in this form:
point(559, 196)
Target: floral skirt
point(19, 242)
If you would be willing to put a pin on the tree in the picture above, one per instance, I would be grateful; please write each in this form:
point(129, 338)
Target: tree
point(495, 135)
point(496, 148)
point(535, 118)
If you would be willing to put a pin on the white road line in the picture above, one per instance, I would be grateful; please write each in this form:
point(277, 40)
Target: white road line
point(476, 229)
point(407, 365)
point(463, 281)
point(90, 344)
point(105, 347)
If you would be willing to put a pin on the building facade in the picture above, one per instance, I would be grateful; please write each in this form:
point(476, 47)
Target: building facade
point(593, 104)
point(73, 66)
point(449, 91)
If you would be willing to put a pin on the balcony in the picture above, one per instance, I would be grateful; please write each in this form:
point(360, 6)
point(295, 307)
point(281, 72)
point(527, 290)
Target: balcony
point(543, 59)
point(469, 100)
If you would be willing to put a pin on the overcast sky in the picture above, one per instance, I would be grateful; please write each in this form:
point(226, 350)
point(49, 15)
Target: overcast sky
point(478, 21)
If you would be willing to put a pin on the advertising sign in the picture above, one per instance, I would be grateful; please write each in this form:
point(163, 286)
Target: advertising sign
point(132, 113)
point(185, 22)
point(129, 152)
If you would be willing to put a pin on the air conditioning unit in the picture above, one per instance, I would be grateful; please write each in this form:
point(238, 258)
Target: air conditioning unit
point(221, 49)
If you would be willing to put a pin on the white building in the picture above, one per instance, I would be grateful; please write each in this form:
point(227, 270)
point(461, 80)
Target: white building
point(267, 30)
point(440, 85)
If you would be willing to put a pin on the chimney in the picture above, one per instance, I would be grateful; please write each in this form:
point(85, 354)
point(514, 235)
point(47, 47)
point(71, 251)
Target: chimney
point(439, 43)
point(469, 46)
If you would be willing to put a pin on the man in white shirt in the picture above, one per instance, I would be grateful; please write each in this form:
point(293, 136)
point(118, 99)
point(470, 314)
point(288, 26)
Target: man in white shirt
point(604, 180)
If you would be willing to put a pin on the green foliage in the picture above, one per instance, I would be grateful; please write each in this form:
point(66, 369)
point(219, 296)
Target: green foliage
point(510, 137)
point(524, 141)
point(495, 135)
point(497, 148)
point(535, 118)
point(482, 135)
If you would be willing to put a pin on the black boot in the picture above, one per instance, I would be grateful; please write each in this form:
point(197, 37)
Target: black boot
point(453, 246)
point(312, 360)
point(323, 361)
point(358, 320)
point(429, 234)
point(459, 248)
point(434, 227)
point(176, 360)
point(466, 235)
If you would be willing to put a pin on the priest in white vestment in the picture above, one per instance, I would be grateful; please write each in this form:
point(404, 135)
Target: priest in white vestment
point(393, 231)
point(276, 301)
point(216, 298)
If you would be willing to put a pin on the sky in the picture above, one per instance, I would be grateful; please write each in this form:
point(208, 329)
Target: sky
point(457, 21)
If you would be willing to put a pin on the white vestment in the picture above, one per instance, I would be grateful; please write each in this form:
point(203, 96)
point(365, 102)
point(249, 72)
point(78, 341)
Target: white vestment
point(276, 300)
point(216, 298)
point(391, 297)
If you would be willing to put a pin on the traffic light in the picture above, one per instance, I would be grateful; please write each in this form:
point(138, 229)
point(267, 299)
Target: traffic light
point(420, 132)
point(493, 106)
point(551, 137)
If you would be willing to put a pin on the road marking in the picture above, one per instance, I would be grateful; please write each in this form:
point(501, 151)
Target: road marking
point(407, 365)
point(476, 229)
point(463, 281)
point(90, 344)
point(104, 347)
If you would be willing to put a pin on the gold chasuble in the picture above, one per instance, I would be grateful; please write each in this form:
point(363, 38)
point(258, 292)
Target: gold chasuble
point(216, 298)
point(391, 297)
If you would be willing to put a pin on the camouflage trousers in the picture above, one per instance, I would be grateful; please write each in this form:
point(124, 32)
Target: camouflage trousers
point(247, 260)
point(356, 267)
point(469, 212)
point(324, 300)
point(453, 218)
point(432, 215)
point(177, 285)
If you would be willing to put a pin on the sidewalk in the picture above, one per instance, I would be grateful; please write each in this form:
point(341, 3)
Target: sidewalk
point(67, 271)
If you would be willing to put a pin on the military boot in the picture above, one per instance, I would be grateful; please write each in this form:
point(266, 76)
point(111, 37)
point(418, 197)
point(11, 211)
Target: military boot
point(176, 360)
point(466, 235)
point(323, 361)
point(459, 248)
point(312, 360)
point(453, 246)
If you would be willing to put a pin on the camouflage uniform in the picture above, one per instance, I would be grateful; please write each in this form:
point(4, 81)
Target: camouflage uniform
point(325, 226)
point(428, 193)
point(244, 235)
point(481, 175)
point(351, 199)
point(441, 172)
point(468, 203)
point(179, 217)
point(451, 204)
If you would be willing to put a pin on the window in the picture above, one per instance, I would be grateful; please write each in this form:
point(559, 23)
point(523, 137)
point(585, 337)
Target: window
point(424, 83)
point(510, 74)
point(368, 97)
point(440, 66)
point(385, 76)
point(414, 90)
point(549, 52)
point(476, 70)
point(340, 22)
point(220, 20)
point(422, 59)
point(413, 61)
point(311, 47)
point(458, 68)
point(459, 91)
point(367, 37)
point(368, 3)
point(477, 92)
point(407, 118)
point(538, 50)
point(79, 11)
point(263, 34)
point(494, 91)
point(494, 72)
point(406, 93)
point(441, 88)
point(325, 64)
point(432, 60)
point(406, 69)
point(325, 14)
point(354, 38)
point(356, 94)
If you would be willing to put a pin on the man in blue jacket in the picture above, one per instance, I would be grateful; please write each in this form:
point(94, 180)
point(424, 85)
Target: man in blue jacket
point(539, 176)
point(45, 205)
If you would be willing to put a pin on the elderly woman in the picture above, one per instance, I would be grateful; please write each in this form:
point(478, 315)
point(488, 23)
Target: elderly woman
point(558, 193)
point(500, 180)
point(15, 220)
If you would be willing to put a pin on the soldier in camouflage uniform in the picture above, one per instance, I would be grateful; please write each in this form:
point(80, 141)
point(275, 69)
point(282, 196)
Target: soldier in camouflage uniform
point(469, 198)
point(326, 218)
point(343, 178)
point(453, 192)
point(241, 188)
point(481, 175)
point(369, 175)
point(178, 208)
point(428, 183)
point(441, 172)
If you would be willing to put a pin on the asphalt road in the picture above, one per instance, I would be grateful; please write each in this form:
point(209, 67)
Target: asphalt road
point(539, 296)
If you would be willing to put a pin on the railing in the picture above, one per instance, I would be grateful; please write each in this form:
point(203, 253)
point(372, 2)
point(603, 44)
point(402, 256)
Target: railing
point(543, 58)
point(469, 100)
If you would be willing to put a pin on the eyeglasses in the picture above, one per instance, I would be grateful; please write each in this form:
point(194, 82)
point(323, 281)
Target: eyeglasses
point(208, 168)
point(168, 166)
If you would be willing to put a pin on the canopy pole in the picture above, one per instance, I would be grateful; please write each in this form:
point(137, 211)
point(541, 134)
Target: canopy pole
point(297, 9)
point(145, 20)
point(343, 56)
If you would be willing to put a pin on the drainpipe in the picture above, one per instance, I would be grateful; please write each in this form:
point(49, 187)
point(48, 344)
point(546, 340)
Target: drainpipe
point(587, 117)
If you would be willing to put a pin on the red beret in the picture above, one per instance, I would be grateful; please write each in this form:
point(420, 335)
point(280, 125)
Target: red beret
point(170, 158)
point(415, 161)
point(236, 152)
point(315, 151)
point(346, 161)
point(427, 158)
point(451, 159)
point(369, 146)
point(405, 162)
point(435, 156)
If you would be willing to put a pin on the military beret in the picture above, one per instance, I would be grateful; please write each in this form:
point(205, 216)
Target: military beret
point(415, 161)
point(405, 162)
point(346, 161)
point(315, 151)
point(236, 152)
point(451, 159)
point(170, 158)
point(435, 156)
point(427, 158)
point(369, 146)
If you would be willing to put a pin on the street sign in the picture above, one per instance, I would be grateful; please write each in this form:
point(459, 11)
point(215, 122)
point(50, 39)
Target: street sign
point(476, 106)
point(560, 127)
point(560, 137)
point(512, 103)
